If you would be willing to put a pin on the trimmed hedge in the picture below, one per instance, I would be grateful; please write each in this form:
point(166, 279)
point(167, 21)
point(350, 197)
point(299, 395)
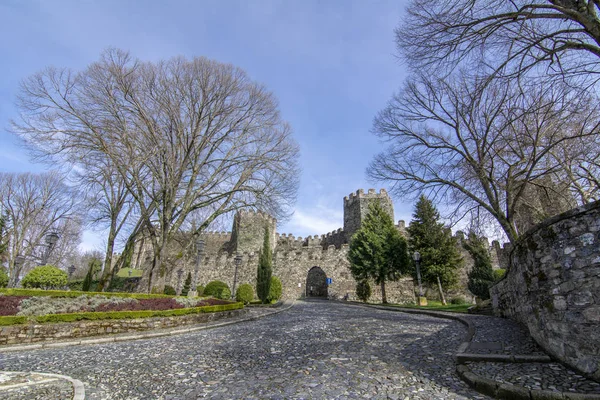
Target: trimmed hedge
point(12, 320)
point(75, 293)
point(92, 316)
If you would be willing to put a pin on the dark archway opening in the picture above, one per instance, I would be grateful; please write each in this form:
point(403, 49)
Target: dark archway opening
point(316, 283)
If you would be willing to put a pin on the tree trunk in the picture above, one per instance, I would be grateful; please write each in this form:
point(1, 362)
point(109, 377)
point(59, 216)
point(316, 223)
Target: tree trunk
point(383, 294)
point(107, 273)
point(441, 291)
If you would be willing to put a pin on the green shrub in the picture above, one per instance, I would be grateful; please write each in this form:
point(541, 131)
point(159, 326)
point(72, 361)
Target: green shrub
point(275, 289)
point(499, 274)
point(45, 277)
point(200, 290)
point(3, 278)
point(363, 290)
point(458, 300)
point(225, 294)
point(169, 290)
point(245, 293)
point(216, 288)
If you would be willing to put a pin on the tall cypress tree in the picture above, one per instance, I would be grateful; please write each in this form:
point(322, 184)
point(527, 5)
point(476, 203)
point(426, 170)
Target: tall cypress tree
point(440, 257)
point(481, 276)
point(377, 250)
point(187, 285)
point(265, 269)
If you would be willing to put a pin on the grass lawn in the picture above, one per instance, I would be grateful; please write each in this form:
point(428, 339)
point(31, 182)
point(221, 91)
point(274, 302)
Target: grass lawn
point(135, 273)
point(437, 306)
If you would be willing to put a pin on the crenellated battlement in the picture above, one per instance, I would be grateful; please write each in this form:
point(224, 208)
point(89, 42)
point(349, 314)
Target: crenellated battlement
point(360, 194)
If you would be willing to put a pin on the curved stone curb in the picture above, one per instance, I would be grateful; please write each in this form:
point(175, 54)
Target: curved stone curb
point(78, 388)
point(490, 387)
point(134, 336)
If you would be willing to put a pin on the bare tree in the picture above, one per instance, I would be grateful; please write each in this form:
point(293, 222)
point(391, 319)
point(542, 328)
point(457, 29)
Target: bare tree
point(109, 203)
point(183, 135)
point(35, 205)
point(482, 142)
point(559, 36)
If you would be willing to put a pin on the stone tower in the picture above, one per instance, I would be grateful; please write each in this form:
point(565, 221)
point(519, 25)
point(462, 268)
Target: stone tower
point(356, 207)
point(249, 229)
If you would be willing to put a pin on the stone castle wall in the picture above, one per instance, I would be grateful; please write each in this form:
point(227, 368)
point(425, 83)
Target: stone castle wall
point(293, 256)
point(553, 287)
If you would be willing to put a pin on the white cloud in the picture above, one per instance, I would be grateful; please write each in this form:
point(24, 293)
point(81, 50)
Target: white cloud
point(319, 220)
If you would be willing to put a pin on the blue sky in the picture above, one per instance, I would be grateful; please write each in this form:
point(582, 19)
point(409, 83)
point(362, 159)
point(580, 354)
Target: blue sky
point(332, 65)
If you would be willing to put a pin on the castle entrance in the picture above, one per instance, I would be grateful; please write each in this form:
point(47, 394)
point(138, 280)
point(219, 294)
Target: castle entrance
point(316, 283)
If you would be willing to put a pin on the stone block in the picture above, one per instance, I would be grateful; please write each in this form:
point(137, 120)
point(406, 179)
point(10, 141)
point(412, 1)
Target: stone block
point(546, 395)
point(486, 386)
point(512, 392)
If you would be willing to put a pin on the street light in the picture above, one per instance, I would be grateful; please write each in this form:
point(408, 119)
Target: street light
point(199, 253)
point(51, 239)
point(417, 258)
point(71, 271)
point(237, 261)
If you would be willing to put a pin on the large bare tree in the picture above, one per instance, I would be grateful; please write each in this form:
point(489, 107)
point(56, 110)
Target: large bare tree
point(483, 142)
point(34, 206)
point(184, 135)
point(516, 36)
point(109, 203)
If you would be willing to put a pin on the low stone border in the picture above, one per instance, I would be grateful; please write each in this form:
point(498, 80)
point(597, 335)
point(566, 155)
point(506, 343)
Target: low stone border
point(78, 388)
point(487, 386)
point(124, 338)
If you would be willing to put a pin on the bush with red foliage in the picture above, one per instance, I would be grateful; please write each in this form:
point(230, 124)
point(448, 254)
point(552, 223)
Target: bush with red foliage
point(142, 304)
point(9, 305)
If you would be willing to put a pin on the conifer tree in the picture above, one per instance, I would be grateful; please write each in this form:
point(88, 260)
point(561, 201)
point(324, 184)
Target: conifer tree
point(481, 276)
point(265, 270)
point(94, 266)
point(87, 281)
point(440, 257)
point(187, 284)
point(377, 250)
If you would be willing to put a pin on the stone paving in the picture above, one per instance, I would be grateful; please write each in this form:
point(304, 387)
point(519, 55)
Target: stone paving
point(316, 350)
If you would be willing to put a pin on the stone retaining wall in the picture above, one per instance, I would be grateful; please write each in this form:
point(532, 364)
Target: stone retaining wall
point(34, 332)
point(553, 287)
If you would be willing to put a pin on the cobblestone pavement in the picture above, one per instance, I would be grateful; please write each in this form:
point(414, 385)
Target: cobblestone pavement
point(316, 350)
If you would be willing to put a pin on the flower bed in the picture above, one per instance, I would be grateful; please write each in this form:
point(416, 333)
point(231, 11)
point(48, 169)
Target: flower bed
point(38, 305)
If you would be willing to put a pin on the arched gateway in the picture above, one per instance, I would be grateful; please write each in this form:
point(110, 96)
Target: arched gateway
point(316, 283)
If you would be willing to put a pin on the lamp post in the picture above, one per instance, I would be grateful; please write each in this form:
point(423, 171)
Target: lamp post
point(237, 261)
point(199, 254)
point(51, 239)
point(71, 271)
point(417, 258)
point(179, 273)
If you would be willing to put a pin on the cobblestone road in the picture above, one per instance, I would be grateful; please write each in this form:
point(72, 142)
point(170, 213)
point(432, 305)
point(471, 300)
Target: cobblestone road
point(316, 350)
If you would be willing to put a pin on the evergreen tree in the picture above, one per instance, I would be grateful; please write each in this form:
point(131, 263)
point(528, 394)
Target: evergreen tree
point(377, 250)
point(363, 290)
point(265, 270)
point(87, 281)
point(440, 257)
point(187, 284)
point(481, 276)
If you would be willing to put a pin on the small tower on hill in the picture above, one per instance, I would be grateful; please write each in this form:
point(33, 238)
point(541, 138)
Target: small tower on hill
point(356, 207)
point(248, 231)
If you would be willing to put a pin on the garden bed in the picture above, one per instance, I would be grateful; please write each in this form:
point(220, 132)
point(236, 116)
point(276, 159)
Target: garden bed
point(62, 306)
